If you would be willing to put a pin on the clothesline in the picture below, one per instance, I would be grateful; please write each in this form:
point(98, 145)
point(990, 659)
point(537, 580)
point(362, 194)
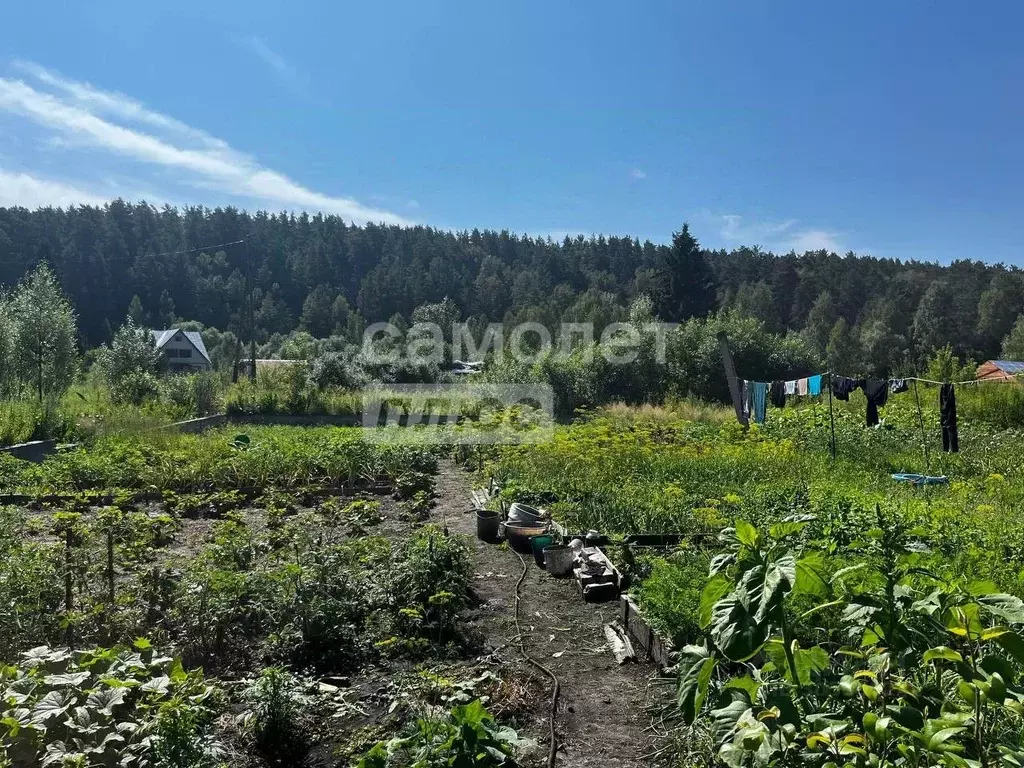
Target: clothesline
point(830, 374)
point(756, 394)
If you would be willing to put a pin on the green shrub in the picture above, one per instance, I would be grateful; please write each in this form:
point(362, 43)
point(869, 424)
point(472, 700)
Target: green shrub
point(466, 736)
point(274, 716)
point(670, 596)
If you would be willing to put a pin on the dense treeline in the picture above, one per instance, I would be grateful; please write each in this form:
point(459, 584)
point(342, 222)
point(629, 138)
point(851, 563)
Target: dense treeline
point(328, 278)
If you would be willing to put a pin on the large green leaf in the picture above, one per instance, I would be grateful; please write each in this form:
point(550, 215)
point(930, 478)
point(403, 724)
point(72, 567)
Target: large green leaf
point(720, 562)
point(725, 718)
point(1013, 644)
point(105, 699)
point(695, 668)
point(810, 579)
point(762, 587)
point(1007, 607)
point(67, 680)
point(734, 631)
point(748, 535)
point(941, 653)
point(808, 661)
point(53, 704)
point(716, 588)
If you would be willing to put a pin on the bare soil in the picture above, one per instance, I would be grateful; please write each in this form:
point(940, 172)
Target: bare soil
point(602, 719)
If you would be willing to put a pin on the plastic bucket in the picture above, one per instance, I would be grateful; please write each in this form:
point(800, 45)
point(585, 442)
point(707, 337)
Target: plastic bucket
point(487, 525)
point(519, 535)
point(537, 544)
point(523, 513)
point(558, 560)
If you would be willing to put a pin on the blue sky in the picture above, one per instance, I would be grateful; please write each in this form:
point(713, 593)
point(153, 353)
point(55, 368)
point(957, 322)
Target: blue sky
point(886, 128)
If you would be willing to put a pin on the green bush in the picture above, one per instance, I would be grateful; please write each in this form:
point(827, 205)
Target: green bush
point(670, 596)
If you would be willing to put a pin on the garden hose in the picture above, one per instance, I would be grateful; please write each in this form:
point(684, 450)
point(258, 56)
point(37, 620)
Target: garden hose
point(553, 749)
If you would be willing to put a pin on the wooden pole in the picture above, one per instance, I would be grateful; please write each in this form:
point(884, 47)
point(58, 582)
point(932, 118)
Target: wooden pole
point(730, 375)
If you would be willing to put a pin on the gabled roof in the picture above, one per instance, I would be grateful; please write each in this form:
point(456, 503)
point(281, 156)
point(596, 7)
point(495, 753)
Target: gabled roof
point(161, 337)
point(1008, 366)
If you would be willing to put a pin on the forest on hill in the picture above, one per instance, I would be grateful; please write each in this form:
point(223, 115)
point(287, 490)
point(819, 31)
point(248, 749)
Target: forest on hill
point(326, 277)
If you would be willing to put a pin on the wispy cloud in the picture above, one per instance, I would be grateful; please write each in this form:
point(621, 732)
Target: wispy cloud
point(21, 189)
point(283, 70)
point(784, 235)
point(271, 57)
point(637, 174)
point(79, 113)
point(114, 104)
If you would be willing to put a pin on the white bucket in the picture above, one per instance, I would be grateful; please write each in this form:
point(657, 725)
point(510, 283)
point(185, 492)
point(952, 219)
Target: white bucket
point(558, 560)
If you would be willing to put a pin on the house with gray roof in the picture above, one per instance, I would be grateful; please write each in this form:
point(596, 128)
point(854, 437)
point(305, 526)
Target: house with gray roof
point(184, 351)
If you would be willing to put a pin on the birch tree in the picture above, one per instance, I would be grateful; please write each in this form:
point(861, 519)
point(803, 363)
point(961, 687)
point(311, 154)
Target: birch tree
point(44, 335)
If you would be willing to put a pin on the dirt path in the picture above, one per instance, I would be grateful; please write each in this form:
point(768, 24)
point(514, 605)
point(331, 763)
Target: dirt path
point(602, 713)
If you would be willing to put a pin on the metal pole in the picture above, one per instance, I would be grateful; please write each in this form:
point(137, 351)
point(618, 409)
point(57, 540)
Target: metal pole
point(831, 417)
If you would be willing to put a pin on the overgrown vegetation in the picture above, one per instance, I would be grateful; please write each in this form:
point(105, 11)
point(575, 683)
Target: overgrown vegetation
point(825, 613)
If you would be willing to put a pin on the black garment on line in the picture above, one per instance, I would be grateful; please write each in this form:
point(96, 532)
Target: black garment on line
point(898, 385)
point(777, 394)
point(843, 386)
point(947, 418)
point(877, 392)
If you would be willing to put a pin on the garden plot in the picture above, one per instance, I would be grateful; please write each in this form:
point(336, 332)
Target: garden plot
point(822, 612)
point(316, 609)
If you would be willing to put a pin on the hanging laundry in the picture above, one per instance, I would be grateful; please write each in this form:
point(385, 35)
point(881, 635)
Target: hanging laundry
point(947, 419)
point(814, 385)
point(791, 388)
point(842, 386)
point(898, 385)
point(877, 392)
point(801, 387)
point(745, 400)
point(758, 400)
point(777, 394)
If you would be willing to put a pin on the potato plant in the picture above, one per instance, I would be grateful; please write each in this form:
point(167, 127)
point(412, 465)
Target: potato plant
point(108, 706)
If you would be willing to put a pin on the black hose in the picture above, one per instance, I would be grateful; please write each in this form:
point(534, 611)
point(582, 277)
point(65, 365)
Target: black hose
point(553, 749)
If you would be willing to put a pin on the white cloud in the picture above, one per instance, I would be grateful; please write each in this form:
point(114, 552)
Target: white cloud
point(637, 173)
point(815, 240)
point(273, 59)
point(115, 104)
point(784, 236)
point(20, 189)
point(73, 112)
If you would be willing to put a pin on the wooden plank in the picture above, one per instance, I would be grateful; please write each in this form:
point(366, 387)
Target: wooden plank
point(654, 647)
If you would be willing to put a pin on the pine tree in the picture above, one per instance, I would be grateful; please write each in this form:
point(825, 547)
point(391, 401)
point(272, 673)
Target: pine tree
point(690, 282)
